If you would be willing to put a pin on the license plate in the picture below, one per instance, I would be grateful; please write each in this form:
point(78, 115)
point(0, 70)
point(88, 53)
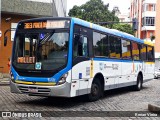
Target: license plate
point(33, 90)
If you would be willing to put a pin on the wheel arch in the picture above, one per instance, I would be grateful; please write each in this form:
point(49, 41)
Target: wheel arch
point(101, 78)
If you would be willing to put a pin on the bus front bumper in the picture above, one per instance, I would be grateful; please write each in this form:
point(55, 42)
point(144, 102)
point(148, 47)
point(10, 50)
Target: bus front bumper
point(38, 90)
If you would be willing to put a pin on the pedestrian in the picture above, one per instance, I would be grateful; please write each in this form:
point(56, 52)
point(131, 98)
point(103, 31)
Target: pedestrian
point(9, 64)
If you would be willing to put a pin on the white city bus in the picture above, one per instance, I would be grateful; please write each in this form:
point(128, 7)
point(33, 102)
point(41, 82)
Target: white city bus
point(68, 57)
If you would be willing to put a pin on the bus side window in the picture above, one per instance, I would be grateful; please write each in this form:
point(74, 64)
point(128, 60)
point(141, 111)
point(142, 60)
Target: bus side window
point(135, 51)
point(75, 46)
point(150, 54)
point(143, 52)
point(126, 49)
point(80, 46)
point(85, 48)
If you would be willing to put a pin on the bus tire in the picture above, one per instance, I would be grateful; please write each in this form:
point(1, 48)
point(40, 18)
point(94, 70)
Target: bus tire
point(96, 90)
point(138, 86)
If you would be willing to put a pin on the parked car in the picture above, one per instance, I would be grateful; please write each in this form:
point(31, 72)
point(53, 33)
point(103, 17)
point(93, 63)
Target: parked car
point(157, 73)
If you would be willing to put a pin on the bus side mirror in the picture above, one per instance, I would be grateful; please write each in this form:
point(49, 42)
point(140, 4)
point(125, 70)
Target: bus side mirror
point(5, 41)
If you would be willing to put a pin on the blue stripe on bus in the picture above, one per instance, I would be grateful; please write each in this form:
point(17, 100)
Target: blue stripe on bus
point(29, 79)
point(115, 60)
point(55, 78)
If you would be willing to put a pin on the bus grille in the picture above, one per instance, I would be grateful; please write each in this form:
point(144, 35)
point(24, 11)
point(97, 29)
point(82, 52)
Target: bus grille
point(34, 90)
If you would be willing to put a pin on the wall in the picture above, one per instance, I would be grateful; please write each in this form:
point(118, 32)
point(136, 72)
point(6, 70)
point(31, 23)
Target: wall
point(144, 35)
point(5, 52)
point(157, 32)
point(30, 8)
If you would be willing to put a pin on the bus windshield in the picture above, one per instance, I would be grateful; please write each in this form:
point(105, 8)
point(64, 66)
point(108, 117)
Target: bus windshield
point(41, 51)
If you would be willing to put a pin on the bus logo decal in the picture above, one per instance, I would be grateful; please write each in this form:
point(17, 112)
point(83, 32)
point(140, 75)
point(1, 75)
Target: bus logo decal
point(38, 65)
point(87, 71)
point(101, 66)
point(115, 66)
point(51, 79)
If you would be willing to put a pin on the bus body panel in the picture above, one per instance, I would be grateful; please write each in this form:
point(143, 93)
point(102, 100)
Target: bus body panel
point(54, 90)
point(148, 71)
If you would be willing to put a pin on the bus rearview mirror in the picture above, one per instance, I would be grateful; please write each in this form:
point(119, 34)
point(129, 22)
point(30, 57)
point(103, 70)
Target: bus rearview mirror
point(5, 41)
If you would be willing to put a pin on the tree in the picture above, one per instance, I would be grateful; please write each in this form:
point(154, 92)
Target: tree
point(93, 11)
point(124, 28)
point(153, 37)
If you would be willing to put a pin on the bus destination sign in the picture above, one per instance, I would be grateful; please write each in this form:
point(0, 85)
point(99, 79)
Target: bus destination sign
point(49, 24)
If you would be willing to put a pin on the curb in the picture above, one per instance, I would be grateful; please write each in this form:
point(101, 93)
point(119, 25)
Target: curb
point(5, 81)
point(154, 108)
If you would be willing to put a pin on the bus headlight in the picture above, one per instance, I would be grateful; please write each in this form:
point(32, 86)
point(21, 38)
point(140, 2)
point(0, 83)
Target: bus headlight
point(62, 79)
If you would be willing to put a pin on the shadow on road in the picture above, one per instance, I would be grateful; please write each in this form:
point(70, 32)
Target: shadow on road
point(66, 103)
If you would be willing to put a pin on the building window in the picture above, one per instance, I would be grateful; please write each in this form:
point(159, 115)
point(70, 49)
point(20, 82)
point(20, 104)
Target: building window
point(148, 21)
point(13, 26)
point(153, 8)
point(149, 7)
point(151, 34)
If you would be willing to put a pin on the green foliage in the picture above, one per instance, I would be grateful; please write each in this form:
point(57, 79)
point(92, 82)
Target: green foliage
point(124, 28)
point(96, 11)
point(93, 11)
point(152, 37)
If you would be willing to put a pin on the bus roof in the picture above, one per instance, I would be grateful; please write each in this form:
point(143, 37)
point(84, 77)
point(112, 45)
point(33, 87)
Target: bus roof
point(110, 31)
point(96, 27)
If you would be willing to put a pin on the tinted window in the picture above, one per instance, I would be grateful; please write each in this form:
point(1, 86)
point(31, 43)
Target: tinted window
point(48, 50)
point(115, 47)
point(143, 52)
point(105, 50)
point(126, 49)
point(135, 51)
point(100, 44)
point(97, 44)
point(150, 53)
point(80, 45)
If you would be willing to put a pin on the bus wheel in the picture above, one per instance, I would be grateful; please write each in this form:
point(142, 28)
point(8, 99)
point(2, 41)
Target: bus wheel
point(96, 90)
point(138, 86)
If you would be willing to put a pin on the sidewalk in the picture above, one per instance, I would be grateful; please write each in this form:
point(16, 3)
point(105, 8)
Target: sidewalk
point(154, 106)
point(4, 79)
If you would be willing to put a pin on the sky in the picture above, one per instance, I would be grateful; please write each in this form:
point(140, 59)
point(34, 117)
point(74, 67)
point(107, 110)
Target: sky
point(122, 4)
